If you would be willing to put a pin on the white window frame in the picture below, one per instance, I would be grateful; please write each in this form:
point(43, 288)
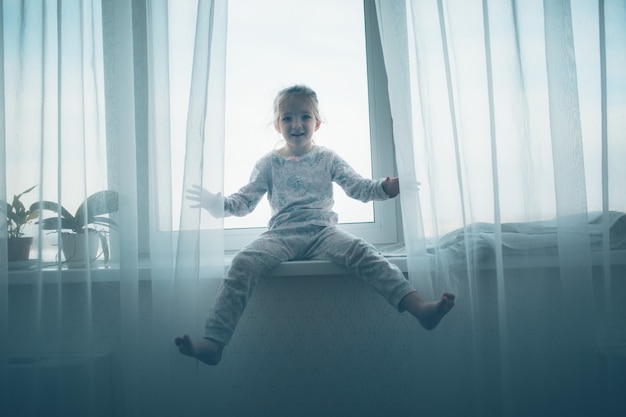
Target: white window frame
point(387, 225)
point(384, 229)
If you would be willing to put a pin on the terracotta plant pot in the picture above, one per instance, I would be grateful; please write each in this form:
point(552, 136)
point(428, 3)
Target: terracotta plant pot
point(19, 248)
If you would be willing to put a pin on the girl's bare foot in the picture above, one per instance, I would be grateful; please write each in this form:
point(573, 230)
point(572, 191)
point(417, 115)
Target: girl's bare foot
point(428, 313)
point(205, 350)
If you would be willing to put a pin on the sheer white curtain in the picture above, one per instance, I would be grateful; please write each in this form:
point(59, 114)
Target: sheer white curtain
point(511, 114)
point(93, 96)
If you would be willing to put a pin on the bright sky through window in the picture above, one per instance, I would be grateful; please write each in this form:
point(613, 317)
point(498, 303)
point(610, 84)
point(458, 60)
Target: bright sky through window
point(276, 43)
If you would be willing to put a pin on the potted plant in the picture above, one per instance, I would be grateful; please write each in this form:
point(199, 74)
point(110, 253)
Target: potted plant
point(18, 217)
point(86, 229)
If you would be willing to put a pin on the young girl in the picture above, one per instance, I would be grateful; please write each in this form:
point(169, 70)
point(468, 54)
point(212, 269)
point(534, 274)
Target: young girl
point(298, 181)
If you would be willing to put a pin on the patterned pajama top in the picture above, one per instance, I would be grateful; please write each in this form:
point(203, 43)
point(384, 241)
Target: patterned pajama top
point(300, 190)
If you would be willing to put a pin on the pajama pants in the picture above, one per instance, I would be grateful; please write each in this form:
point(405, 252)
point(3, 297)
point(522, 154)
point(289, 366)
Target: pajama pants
point(273, 247)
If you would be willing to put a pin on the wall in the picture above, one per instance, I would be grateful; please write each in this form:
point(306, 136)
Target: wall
point(330, 346)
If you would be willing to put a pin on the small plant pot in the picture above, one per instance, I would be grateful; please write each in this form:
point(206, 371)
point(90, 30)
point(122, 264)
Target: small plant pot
point(80, 249)
point(19, 248)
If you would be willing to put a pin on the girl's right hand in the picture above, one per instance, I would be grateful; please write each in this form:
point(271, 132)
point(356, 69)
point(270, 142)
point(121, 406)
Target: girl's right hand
point(211, 202)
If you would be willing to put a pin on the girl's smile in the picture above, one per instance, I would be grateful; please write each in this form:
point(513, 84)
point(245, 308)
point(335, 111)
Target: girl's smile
point(297, 124)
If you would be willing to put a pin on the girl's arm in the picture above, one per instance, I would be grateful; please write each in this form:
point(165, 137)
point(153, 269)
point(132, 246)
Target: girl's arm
point(360, 188)
point(239, 204)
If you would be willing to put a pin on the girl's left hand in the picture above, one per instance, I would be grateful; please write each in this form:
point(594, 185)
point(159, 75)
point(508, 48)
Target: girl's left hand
point(391, 186)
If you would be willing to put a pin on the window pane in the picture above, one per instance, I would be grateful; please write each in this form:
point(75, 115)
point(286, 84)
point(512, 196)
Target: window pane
point(277, 43)
point(54, 115)
point(271, 45)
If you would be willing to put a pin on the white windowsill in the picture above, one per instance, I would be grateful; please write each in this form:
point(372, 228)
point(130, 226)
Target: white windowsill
point(51, 273)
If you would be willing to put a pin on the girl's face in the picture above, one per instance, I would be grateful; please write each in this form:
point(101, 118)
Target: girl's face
point(297, 124)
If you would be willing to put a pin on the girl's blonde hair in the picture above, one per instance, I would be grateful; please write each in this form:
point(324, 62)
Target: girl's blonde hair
point(297, 90)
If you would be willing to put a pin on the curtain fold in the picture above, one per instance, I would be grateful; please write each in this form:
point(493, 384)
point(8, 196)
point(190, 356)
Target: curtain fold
point(89, 108)
point(4, 283)
point(501, 110)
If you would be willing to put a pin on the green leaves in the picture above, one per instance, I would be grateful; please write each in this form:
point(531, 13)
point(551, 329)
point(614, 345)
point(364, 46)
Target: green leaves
point(90, 212)
point(18, 216)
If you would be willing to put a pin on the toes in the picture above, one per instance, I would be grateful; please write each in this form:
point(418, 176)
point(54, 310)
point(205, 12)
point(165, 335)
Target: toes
point(448, 300)
point(183, 342)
